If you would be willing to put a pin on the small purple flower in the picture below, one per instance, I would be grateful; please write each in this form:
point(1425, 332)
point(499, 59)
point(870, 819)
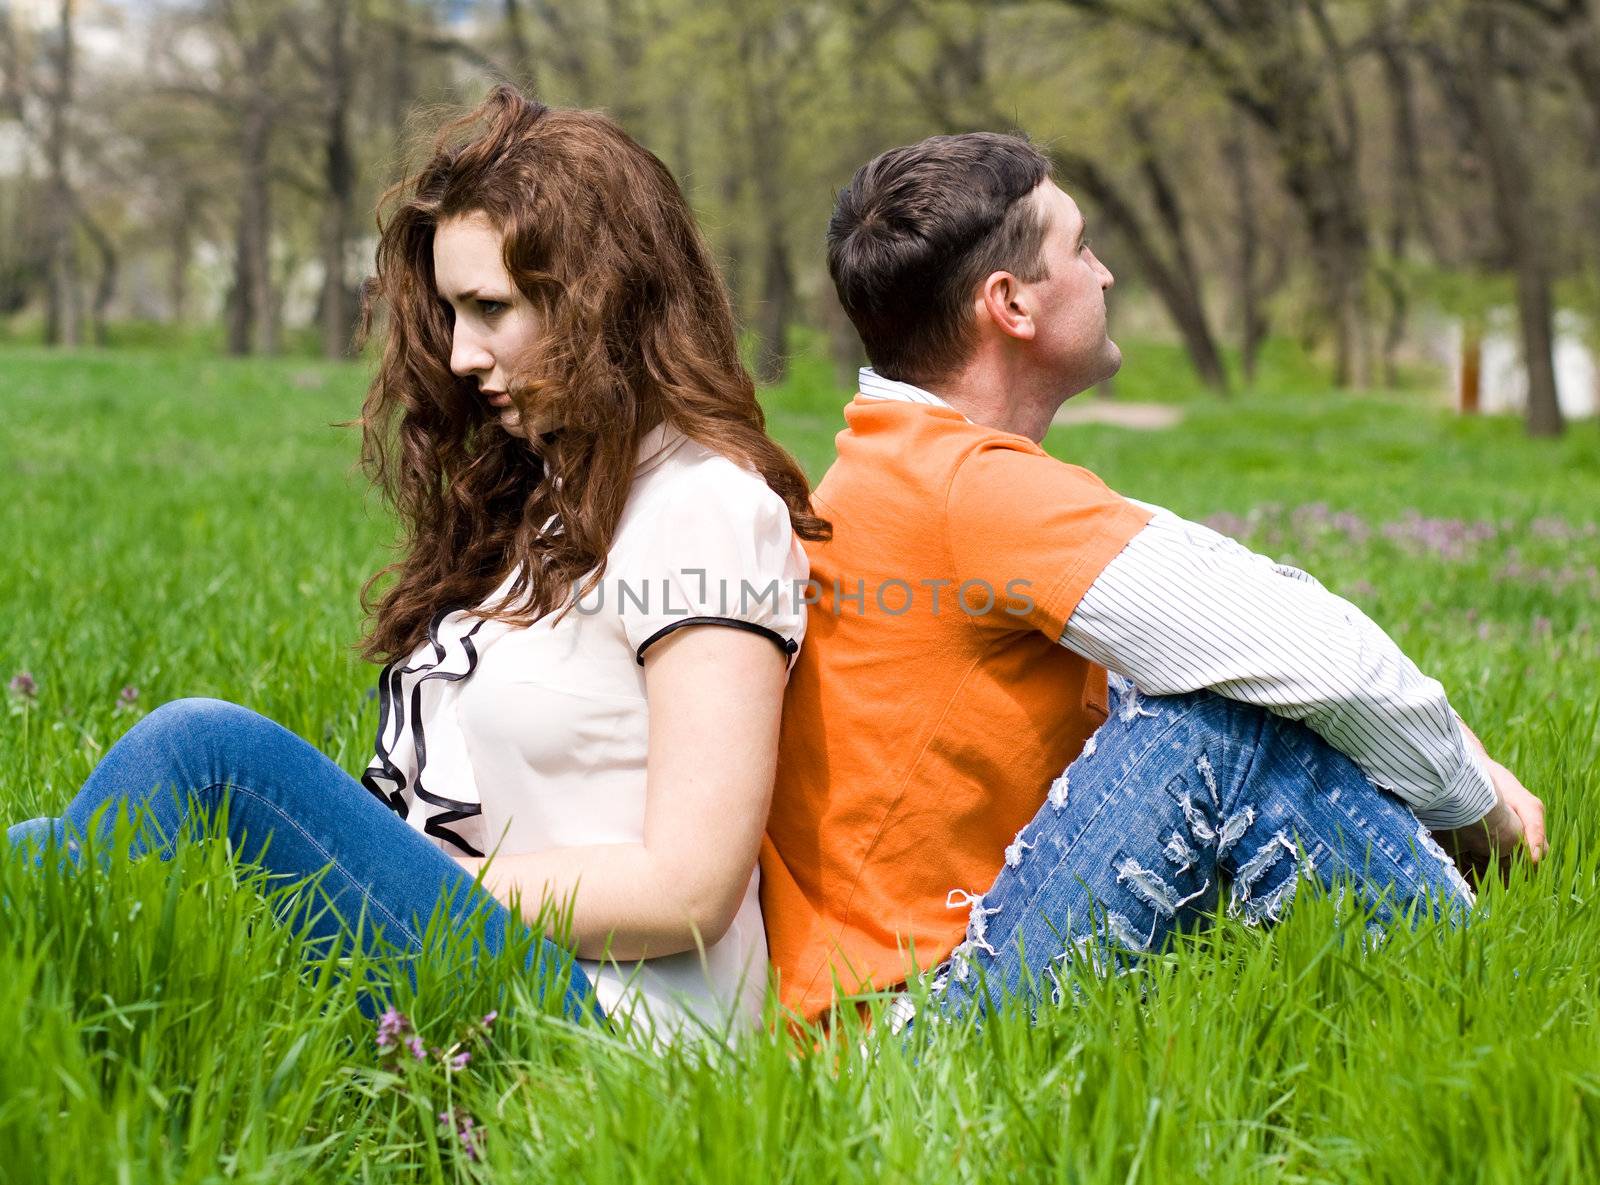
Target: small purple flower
point(22, 684)
point(391, 1025)
point(1228, 524)
point(417, 1048)
point(470, 1138)
point(459, 1062)
point(127, 698)
point(490, 1018)
point(466, 1130)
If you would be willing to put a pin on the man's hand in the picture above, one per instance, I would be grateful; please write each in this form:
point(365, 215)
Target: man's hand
point(1516, 817)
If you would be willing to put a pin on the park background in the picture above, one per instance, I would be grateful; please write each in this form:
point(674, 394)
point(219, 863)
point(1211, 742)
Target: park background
point(1358, 260)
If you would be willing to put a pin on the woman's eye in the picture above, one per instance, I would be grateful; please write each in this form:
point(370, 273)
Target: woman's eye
point(491, 308)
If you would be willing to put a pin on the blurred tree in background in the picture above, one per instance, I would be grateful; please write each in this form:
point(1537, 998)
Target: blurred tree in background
point(1334, 171)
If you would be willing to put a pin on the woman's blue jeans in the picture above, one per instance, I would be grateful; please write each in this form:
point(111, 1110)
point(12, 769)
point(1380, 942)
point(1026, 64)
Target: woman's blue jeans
point(294, 812)
point(1173, 797)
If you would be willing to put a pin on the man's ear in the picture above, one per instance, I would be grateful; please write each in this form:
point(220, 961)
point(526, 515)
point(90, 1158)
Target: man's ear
point(1003, 304)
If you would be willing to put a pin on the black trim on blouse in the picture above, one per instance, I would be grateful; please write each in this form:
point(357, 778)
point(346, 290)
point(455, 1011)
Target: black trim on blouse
point(391, 701)
point(787, 645)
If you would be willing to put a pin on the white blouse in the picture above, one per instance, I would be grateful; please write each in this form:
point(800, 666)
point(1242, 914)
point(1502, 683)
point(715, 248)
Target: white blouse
point(492, 738)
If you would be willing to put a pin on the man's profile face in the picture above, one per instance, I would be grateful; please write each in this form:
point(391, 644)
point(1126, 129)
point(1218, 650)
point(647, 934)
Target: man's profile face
point(1070, 300)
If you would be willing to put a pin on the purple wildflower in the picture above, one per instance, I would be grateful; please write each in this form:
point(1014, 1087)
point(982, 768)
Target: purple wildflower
point(417, 1048)
point(22, 684)
point(466, 1130)
point(1550, 527)
point(1228, 524)
point(128, 697)
point(1445, 538)
point(470, 1137)
point(1352, 526)
point(459, 1062)
point(490, 1018)
point(391, 1025)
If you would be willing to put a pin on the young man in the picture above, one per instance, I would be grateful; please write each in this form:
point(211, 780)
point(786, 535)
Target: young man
point(957, 788)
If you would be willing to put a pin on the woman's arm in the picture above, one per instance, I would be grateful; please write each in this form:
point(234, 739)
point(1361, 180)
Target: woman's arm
point(716, 699)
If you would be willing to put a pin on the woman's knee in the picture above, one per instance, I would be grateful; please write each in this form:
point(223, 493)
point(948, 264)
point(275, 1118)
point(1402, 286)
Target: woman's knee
point(198, 719)
point(191, 740)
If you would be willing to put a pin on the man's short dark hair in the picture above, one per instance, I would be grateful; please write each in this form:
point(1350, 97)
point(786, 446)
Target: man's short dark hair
point(914, 233)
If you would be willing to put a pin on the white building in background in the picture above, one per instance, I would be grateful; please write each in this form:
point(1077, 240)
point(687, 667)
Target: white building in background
point(1502, 378)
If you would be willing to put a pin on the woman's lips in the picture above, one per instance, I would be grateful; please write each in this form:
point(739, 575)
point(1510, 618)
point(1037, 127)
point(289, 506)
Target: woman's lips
point(499, 398)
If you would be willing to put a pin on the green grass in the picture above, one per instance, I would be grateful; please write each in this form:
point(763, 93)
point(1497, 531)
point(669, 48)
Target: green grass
point(185, 525)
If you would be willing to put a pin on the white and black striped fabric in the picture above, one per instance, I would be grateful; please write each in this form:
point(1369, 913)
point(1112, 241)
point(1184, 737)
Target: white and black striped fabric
point(1183, 607)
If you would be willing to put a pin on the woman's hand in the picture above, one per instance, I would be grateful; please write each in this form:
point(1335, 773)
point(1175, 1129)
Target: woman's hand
point(716, 700)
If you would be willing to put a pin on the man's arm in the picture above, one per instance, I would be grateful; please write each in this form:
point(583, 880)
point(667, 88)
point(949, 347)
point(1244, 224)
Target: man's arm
point(1183, 608)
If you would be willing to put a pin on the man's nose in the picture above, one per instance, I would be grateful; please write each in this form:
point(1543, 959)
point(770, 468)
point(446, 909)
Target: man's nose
point(467, 355)
point(1106, 278)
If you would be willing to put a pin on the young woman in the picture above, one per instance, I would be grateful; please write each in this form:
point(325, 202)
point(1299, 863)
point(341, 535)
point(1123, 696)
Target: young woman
point(589, 629)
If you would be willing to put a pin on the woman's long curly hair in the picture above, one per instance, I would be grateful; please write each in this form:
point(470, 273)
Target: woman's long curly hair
point(635, 329)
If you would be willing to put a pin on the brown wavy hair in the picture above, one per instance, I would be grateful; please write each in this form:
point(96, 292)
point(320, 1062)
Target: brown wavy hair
point(636, 330)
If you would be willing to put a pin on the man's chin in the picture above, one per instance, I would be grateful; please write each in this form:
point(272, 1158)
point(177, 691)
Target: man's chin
point(1113, 360)
point(1108, 365)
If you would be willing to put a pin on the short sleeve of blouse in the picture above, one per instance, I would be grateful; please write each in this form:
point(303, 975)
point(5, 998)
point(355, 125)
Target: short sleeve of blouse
point(719, 550)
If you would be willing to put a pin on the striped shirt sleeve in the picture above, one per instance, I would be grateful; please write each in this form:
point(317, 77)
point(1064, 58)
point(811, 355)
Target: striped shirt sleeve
point(1183, 607)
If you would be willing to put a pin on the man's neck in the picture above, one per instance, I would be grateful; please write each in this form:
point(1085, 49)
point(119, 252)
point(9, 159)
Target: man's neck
point(1009, 403)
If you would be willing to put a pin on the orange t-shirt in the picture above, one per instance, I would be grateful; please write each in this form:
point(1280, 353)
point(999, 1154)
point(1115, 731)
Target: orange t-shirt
point(931, 705)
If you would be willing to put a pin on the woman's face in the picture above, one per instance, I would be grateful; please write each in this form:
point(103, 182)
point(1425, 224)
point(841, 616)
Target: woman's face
point(495, 324)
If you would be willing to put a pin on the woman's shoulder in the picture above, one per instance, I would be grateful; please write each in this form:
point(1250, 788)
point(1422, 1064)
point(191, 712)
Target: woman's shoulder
point(697, 482)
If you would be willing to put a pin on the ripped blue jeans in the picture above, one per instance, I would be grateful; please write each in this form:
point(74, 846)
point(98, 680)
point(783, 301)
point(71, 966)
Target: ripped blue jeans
point(1170, 799)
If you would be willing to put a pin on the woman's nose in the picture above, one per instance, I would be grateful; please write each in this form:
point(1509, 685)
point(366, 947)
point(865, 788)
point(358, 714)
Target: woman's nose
point(467, 354)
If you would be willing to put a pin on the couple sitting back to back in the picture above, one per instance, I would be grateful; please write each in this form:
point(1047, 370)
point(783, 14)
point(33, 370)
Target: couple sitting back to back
point(626, 651)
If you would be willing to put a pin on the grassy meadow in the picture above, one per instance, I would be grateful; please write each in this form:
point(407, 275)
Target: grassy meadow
point(176, 524)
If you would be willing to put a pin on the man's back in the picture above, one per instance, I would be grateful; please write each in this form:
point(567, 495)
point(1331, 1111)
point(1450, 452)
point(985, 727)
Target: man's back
point(931, 705)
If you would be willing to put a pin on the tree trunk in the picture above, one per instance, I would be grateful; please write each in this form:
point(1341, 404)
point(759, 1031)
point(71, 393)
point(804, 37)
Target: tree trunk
point(182, 248)
point(768, 151)
point(523, 67)
point(1510, 183)
point(1164, 196)
point(252, 323)
point(731, 193)
point(63, 316)
point(777, 308)
point(338, 313)
point(627, 52)
point(1470, 397)
point(844, 343)
point(1252, 328)
point(106, 286)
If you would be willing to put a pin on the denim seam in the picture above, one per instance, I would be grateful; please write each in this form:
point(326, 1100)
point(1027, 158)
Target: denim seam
point(1266, 719)
point(332, 860)
point(1413, 882)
